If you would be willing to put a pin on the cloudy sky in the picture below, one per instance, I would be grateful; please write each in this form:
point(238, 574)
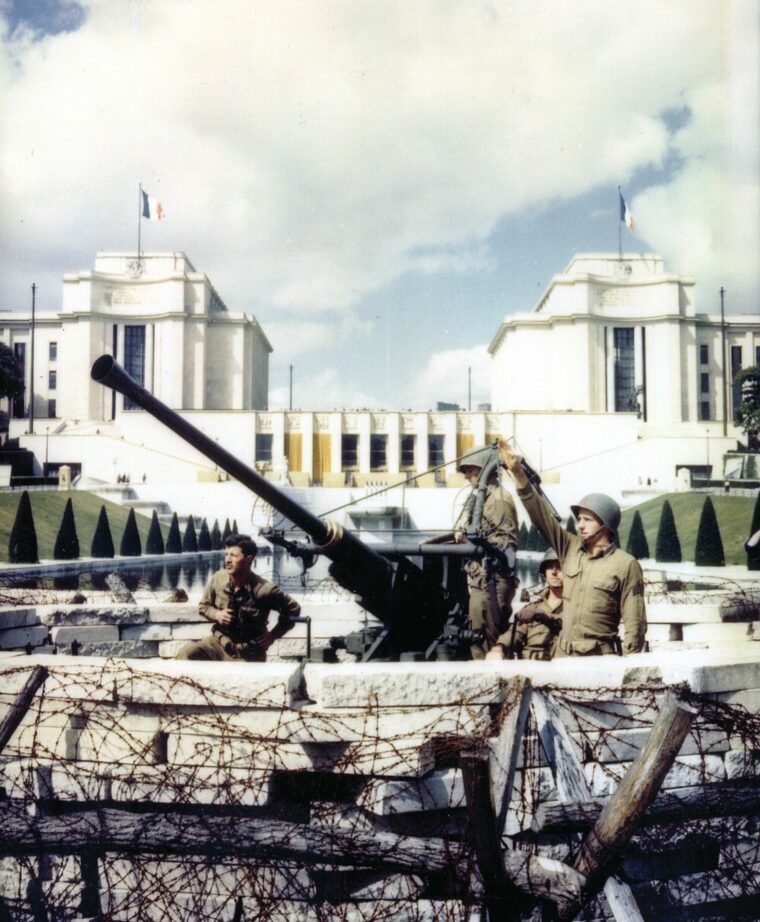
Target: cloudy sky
point(380, 182)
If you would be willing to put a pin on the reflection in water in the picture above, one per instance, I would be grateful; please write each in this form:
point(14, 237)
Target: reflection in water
point(173, 571)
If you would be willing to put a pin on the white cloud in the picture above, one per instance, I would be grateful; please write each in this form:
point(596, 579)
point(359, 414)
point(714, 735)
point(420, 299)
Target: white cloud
point(308, 153)
point(453, 376)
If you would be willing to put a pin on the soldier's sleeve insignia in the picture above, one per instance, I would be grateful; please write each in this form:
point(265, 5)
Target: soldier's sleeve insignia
point(638, 589)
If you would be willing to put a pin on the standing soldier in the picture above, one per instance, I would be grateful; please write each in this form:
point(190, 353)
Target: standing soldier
point(602, 585)
point(490, 605)
point(538, 624)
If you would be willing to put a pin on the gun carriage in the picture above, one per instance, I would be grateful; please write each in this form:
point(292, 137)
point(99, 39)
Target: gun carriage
point(422, 608)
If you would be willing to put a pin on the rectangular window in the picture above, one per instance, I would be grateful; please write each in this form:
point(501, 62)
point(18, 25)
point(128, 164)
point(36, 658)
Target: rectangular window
point(18, 409)
point(625, 384)
point(408, 448)
point(704, 410)
point(378, 452)
point(264, 446)
point(736, 359)
point(134, 358)
point(703, 354)
point(52, 380)
point(435, 450)
point(349, 452)
point(704, 383)
point(51, 409)
point(53, 352)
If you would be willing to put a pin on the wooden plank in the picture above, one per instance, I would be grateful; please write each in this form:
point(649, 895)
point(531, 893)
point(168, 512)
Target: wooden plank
point(505, 750)
point(572, 786)
point(15, 713)
point(728, 798)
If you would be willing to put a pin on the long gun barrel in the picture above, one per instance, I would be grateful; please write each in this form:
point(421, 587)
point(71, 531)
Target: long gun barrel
point(408, 602)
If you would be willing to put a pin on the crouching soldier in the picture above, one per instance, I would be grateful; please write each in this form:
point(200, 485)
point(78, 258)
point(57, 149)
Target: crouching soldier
point(537, 625)
point(238, 602)
point(602, 585)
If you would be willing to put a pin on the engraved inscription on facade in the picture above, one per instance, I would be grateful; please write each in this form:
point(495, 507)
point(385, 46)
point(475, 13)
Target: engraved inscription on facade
point(264, 423)
point(379, 422)
point(293, 421)
point(464, 423)
point(321, 422)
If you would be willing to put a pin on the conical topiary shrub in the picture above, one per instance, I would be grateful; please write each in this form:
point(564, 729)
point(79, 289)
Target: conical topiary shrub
point(204, 538)
point(174, 538)
point(532, 544)
point(637, 545)
point(22, 544)
point(227, 531)
point(668, 547)
point(750, 471)
point(67, 541)
point(102, 542)
point(522, 536)
point(709, 548)
point(753, 554)
point(130, 546)
point(216, 536)
point(190, 539)
point(235, 527)
point(570, 527)
point(155, 541)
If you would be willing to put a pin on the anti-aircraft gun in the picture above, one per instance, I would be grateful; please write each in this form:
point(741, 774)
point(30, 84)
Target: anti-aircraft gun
point(421, 615)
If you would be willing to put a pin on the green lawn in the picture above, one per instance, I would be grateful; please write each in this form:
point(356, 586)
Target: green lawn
point(47, 508)
point(734, 515)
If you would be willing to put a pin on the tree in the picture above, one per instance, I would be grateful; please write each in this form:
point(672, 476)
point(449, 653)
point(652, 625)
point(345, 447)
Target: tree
point(130, 546)
point(216, 536)
point(22, 544)
point(637, 545)
point(750, 471)
point(174, 539)
point(668, 547)
point(11, 378)
point(709, 548)
point(204, 538)
point(67, 541)
point(227, 531)
point(155, 541)
point(747, 413)
point(753, 554)
point(570, 527)
point(102, 542)
point(522, 536)
point(235, 530)
point(189, 539)
point(532, 542)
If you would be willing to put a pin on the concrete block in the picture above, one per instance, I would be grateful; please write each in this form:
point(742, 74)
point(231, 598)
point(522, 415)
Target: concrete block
point(128, 649)
point(43, 742)
point(338, 816)
point(146, 632)
point(718, 633)
point(438, 790)
point(92, 744)
point(176, 613)
point(209, 785)
point(187, 632)
point(683, 613)
point(625, 745)
point(371, 886)
point(18, 617)
point(374, 757)
point(747, 698)
point(119, 903)
point(711, 671)
point(103, 614)
point(17, 637)
point(687, 771)
point(64, 634)
point(742, 763)
point(168, 649)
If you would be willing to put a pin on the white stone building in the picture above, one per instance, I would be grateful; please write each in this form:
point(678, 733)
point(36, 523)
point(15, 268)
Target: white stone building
point(161, 319)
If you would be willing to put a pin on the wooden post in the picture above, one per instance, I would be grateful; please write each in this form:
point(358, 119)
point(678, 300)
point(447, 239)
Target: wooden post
point(506, 748)
point(21, 705)
point(572, 785)
point(635, 792)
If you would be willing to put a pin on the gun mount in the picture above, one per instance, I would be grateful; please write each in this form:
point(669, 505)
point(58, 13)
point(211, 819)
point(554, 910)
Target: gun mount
point(422, 615)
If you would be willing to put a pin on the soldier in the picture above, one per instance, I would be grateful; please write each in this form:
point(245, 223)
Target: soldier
point(239, 601)
point(489, 607)
point(602, 584)
point(539, 623)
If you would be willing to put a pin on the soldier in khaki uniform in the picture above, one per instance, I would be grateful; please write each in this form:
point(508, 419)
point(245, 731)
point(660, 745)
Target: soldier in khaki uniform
point(239, 601)
point(602, 585)
point(540, 621)
point(489, 608)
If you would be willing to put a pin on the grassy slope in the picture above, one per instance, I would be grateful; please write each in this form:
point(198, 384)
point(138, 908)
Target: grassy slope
point(47, 508)
point(734, 520)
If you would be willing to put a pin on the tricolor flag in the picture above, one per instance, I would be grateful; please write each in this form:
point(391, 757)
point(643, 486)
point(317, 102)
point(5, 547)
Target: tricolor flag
point(151, 209)
point(625, 212)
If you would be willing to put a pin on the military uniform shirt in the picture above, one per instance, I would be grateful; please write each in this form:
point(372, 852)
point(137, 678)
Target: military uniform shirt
point(499, 526)
point(598, 590)
point(252, 602)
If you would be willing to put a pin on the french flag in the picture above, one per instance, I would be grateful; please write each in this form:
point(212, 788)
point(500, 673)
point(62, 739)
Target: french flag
point(151, 209)
point(625, 213)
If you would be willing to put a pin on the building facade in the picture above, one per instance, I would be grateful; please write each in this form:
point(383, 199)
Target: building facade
point(161, 319)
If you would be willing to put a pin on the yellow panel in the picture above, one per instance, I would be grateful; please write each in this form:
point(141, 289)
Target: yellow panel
point(293, 451)
point(322, 445)
point(465, 441)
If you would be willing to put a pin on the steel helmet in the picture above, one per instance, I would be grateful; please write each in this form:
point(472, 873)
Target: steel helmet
point(477, 457)
point(550, 556)
point(604, 508)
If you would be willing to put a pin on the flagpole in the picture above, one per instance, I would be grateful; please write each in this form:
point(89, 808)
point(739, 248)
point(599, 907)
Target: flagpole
point(139, 220)
point(620, 229)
